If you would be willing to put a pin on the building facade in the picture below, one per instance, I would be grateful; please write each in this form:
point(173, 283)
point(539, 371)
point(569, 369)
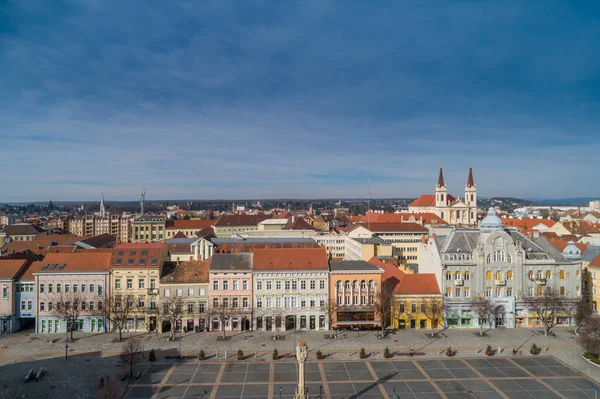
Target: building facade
point(502, 265)
point(291, 289)
point(231, 225)
point(135, 270)
point(10, 317)
point(354, 286)
point(93, 225)
point(148, 228)
point(63, 276)
point(230, 292)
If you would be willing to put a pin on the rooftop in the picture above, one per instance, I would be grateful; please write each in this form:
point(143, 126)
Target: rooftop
point(231, 262)
point(186, 272)
point(290, 259)
point(196, 224)
point(353, 266)
point(84, 261)
point(239, 220)
point(11, 268)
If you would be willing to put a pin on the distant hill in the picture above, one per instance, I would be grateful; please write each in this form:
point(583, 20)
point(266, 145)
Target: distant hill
point(565, 201)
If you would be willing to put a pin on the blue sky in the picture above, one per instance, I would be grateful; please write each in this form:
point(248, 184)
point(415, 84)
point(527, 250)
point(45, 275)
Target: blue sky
point(297, 99)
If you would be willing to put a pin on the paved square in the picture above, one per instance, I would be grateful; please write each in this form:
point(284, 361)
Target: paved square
point(514, 378)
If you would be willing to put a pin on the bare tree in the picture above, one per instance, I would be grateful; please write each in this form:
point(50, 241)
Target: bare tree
point(484, 309)
point(589, 338)
point(383, 301)
point(131, 354)
point(223, 312)
point(331, 308)
point(547, 306)
point(583, 313)
point(116, 308)
point(69, 306)
point(172, 310)
point(433, 310)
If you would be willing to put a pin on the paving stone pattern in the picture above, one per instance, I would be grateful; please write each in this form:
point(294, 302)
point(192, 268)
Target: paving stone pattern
point(518, 378)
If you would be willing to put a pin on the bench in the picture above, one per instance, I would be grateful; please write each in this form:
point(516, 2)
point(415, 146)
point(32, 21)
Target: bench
point(29, 375)
point(39, 374)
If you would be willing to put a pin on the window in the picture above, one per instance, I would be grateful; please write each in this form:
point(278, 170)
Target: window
point(216, 285)
point(190, 292)
point(278, 284)
point(49, 306)
point(467, 275)
point(457, 276)
point(457, 292)
point(355, 300)
point(509, 291)
point(467, 292)
point(58, 288)
point(498, 292)
point(82, 287)
point(363, 300)
point(321, 301)
point(91, 306)
point(235, 284)
point(340, 300)
point(75, 288)
point(488, 275)
point(41, 288)
point(268, 302)
point(287, 285)
point(215, 303)
point(538, 275)
point(488, 292)
point(225, 302)
point(540, 290)
point(83, 305)
point(245, 285)
point(347, 299)
point(371, 285)
point(562, 274)
point(413, 308)
point(99, 289)
point(179, 291)
point(67, 288)
point(509, 275)
point(531, 292)
point(202, 308)
point(259, 285)
point(548, 274)
point(259, 302)
point(321, 284)
point(244, 303)
point(303, 285)
point(423, 308)
point(129, 283)
point(313, 284)
point(269, 284)
point(363, 285)
point(23, 305)
point(401, 308)
point(167, 292)
point(190, 308)
point(225, 285)
point(152, 283)
point(448, 275)
point(235, 303)
point(294, 285)
point(448, 293)
point(141, 283)
point(42, 306)
point(278, 302)
point(562, 291)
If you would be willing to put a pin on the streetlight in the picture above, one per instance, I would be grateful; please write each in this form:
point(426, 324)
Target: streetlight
point(180, 328)
point(66, 339)
point(279, 392)
point(394, 394)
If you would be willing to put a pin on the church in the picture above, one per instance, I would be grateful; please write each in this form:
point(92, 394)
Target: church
point(454, 211)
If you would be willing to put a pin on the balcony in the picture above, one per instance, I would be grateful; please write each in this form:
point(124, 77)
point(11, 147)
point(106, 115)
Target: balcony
point(540, 281)
point(459, 282)
point(152, 291)
point(500, 282)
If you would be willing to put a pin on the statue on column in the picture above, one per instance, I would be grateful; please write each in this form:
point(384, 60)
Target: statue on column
point(301, 355)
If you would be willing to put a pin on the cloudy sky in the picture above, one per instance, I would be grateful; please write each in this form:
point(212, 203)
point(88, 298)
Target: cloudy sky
point(297, 99)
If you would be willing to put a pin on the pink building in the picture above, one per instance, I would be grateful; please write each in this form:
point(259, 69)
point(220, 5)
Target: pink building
point(230, 291)
point(85, 273)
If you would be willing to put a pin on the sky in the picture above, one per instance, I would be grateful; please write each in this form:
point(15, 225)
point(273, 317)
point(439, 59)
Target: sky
point(297, 99)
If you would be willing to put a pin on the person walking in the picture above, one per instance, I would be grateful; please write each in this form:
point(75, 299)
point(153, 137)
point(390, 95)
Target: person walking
point(101, 382)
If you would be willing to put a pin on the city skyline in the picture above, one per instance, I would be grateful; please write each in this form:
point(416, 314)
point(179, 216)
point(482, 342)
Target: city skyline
point(306, 100)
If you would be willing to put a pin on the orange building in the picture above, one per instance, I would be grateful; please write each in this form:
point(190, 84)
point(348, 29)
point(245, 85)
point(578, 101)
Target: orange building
point(353, 287)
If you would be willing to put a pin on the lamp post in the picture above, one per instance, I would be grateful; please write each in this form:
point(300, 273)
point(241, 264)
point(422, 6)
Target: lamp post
point(180, 328)
point(279, 392)
point(321, 392)
point(66, 339)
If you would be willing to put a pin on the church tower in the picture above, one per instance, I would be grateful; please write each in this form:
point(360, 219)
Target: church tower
point(102, 207)
point(471, 197)
point(441, 192)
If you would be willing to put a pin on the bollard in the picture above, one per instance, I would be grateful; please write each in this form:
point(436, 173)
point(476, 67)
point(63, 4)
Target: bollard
point(225, 354)
point(499, 351)
point(348, 352)
point(325, 353)
point(255, 356)
point(216, 354)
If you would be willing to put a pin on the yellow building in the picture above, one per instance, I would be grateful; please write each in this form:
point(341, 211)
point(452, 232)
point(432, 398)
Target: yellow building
point(135, 275)
point(593, 281)
point(148, 228)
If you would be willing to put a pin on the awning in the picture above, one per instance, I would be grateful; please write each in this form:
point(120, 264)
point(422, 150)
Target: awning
point(360, 323)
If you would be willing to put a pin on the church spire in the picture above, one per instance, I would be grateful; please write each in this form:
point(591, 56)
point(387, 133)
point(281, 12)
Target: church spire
point(471, 182)
point(102, 207)
point(441, 179)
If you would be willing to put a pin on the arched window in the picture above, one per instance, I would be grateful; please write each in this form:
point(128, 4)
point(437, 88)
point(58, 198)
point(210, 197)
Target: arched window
point(489, 258)
point(339, 285)
point(355, 285)
point(457, 276)
point(363, 285)
point(498, 275)
point(488, 275)
point(548, 274)
point(530, 274)
point(347, 285)
point(509, 275)
point(538, 275)
point(448, 275)
point(467, 275)
point(371, 284)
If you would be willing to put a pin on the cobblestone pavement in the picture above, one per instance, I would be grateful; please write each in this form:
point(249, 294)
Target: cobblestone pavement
point(97, 353)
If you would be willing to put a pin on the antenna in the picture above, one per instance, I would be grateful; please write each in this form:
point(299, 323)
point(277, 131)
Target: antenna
point(142, 200)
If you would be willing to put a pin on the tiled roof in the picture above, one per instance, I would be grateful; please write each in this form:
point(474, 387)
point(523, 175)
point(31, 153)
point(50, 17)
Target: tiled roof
point(179, 247)
point(231, 262)
point(424, 200)
point(180, 234)
point(22, 229)
point(10, 268)
point(283, 215)
point(596, 261)
point(582, 228)
point(297, 224)
point(138, 255)
point(84, 261)
point(186, 272)
point(41, 243)
point(524, 224)
point(561, 244)
point(399, 227)
point(470, 180)
point(290, 259)
point(354, 266)
point(406, 284)
point(190, 224)
point(239, 220)
point(427, 217)
point(99, 240)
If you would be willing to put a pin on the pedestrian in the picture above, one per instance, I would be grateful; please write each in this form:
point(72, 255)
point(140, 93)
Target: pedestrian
point(101, 382)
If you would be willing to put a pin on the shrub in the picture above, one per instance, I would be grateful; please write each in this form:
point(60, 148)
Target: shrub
point(534, 349)
point(363, 354)
point(201, 354)
point(386, 352)
point(489, 350)
point(196, 328)
point(302, 343)
point(450, 352)
point(240, 353)
point(592, 357)
point(275, 354)
point(152, 355)
point(319, 354)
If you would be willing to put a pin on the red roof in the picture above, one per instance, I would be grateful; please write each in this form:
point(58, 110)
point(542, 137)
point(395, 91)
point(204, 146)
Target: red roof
point(406, 284)
point(189, 224)
point(524, 224)
point(146, 255)
point(561, 244)
point(441, 179)
point(424, 200)
point(290, 259)
point(470, 181)
point(596, 261)
point(90, 260)
point(140, 245)
point(410, 227)
point(427, 217)
point(10, 268)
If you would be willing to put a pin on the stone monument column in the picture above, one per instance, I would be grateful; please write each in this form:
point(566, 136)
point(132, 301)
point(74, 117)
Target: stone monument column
point(301, 355)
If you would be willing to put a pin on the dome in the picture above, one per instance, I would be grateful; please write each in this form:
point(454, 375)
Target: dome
point(491, 222)
point(571, 251)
